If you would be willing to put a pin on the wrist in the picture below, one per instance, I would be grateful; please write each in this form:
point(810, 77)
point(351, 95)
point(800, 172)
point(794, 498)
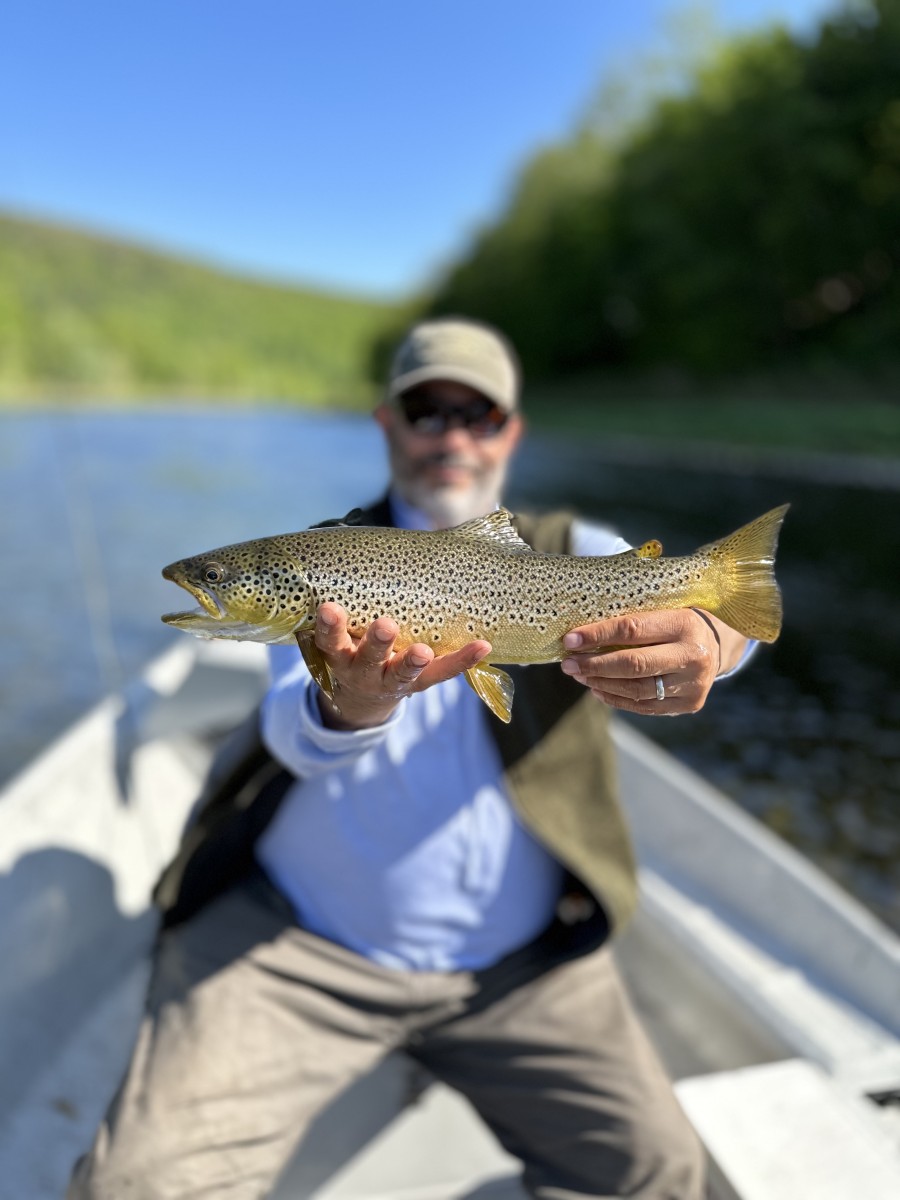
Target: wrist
point(348, 717)
point(707, 619)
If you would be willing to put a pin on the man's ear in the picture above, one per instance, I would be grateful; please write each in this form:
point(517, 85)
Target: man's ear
point(518, 429)
point(383, 415)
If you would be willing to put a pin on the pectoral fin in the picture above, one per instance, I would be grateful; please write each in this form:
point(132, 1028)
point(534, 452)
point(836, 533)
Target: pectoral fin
point(494, 687)
point(315, 661)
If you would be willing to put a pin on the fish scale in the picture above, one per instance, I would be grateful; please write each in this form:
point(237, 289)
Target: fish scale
point(479, 580)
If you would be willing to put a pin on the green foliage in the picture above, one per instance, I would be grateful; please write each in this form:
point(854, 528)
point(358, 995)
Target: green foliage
point(82, 315)
point(805, 410)
point(748, 219)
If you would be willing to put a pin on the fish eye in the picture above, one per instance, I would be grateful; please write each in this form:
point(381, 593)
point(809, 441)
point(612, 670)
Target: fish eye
point(213, 573)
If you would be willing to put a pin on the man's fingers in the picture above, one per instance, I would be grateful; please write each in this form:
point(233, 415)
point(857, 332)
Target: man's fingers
point(331, 629)
point(638, 663)
point(660, 708)
point(333, 636)
point(622, 660)
point(641, 629)
point(408, 666)
point(377, 644)
point(644, 691)
point(448, 665)
point(372, 655)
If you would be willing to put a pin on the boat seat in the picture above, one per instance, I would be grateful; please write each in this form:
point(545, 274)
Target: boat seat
point(787, 1130)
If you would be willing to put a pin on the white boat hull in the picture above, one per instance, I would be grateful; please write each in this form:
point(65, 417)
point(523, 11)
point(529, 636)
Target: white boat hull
point(742, 954)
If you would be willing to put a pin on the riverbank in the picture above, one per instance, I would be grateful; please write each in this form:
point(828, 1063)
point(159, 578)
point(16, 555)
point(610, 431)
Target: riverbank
point(800, 429)
point(836, 416)
point(879, 472)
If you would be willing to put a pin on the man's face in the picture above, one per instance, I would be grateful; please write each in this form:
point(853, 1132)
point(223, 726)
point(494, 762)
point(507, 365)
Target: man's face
point(452, 474)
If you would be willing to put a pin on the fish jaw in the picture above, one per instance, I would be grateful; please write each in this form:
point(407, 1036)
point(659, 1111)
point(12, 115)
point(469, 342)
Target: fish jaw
point(196, 621)
point(201, 625)
point(213, 620)
point(207, 601)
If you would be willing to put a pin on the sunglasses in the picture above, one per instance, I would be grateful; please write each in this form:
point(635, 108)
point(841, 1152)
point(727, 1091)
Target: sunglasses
point(430, 416)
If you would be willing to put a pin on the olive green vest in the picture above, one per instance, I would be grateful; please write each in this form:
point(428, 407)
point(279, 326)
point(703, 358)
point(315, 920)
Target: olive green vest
point(559, 770)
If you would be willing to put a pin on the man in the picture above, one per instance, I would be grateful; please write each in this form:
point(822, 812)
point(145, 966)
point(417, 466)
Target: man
point(409, 873)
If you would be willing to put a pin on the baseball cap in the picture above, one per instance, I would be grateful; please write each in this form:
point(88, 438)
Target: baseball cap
point(458, 349)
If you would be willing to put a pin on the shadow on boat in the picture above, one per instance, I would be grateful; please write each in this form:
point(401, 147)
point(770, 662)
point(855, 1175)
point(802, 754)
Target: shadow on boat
point(60, 907)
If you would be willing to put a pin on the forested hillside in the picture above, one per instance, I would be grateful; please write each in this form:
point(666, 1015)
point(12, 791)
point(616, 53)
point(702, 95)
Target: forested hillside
point(84, 315)
point(750, 221)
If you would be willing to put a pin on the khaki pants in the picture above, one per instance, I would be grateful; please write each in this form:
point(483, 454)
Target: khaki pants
point(254, 1025)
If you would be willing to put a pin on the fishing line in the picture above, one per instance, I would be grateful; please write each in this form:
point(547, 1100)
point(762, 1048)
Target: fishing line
point(86, 546)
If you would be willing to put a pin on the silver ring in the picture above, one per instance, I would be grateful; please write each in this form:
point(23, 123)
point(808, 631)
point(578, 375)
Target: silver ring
point(660, 688)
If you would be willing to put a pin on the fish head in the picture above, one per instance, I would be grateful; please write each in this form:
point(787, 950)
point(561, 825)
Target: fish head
point(246, 592)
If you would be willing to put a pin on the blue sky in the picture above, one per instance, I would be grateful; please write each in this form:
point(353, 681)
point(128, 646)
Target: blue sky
point(351, 144)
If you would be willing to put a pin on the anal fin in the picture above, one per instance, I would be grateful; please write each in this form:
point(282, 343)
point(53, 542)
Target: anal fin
point(318, 667)
point(494, 687)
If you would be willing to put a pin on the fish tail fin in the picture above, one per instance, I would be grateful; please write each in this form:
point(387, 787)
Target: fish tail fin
point(746, 595)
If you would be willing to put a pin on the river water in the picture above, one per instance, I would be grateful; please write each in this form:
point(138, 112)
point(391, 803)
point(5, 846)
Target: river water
point(807, 737)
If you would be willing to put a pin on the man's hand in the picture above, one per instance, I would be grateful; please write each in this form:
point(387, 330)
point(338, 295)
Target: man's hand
point(372, 678)
point(621, 659)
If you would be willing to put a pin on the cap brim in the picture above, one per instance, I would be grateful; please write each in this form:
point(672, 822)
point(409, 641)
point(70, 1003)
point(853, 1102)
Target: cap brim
point(396, 387)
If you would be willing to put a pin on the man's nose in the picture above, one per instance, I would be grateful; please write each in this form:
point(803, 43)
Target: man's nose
point(456, 437)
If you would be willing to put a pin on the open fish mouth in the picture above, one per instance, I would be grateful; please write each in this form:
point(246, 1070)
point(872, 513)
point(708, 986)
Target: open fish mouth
point(210, 605)
point(190, 617)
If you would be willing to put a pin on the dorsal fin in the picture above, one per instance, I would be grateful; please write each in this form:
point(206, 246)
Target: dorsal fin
point(498, 527)
point(353, 517)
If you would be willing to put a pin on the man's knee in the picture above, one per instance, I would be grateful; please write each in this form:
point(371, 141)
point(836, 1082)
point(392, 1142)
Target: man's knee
point(659, 1157)
point(116, 1168)
point(96, 1177)
point(669, 1158)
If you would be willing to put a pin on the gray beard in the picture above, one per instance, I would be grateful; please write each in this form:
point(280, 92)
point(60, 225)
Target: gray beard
point(446, 507)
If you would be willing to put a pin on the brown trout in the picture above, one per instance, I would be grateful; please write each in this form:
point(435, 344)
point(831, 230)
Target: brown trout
point(478, 580)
